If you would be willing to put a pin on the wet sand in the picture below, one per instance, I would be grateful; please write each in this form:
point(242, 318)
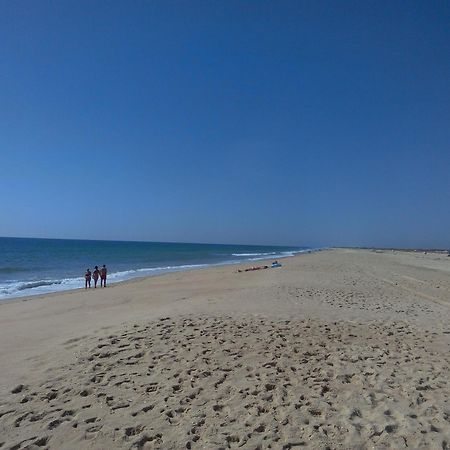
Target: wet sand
point(340, 349)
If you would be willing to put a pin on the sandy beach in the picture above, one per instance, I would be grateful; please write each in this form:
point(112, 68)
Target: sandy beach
point(339, 349)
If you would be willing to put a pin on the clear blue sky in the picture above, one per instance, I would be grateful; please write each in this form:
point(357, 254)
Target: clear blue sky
point(281, 122)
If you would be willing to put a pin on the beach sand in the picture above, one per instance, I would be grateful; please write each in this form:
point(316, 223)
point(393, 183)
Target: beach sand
point(339, 349)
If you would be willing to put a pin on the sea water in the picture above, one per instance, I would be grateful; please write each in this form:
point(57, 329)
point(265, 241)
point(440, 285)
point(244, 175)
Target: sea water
point(37, 266)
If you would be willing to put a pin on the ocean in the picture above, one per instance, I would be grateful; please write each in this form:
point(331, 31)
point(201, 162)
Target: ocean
point(38, 266)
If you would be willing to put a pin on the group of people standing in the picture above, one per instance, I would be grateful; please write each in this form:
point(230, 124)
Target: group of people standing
point(98, 273)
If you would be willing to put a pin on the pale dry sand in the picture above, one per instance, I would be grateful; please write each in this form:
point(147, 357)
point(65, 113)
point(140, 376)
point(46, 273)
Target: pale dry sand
point(341, 349)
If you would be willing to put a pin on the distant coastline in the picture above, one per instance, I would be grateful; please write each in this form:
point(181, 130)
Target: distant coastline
point(398, 249)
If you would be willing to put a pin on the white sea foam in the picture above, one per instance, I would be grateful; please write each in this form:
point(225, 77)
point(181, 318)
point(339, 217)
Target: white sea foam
point(253, 254)
point(274, 254)
point(20, 288)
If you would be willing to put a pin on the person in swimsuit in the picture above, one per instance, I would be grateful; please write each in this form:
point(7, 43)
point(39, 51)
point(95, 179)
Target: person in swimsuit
point(103, 272)
point(87, 279)
point(95, 276)
point(253, 268)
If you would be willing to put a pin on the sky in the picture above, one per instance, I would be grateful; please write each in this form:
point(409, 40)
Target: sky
point(310, 123)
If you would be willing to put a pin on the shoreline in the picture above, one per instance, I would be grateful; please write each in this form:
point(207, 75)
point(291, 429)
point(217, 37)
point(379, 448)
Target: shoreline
point(176, 269)
point(333, 340)
point(159, 272)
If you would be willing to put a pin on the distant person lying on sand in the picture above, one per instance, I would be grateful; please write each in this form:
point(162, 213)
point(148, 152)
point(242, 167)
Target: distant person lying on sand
point(253, 268)
point(87, 279)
